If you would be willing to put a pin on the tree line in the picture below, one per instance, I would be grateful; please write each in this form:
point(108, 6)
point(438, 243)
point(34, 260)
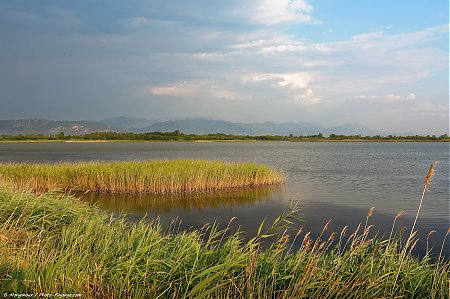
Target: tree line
point(178, 136)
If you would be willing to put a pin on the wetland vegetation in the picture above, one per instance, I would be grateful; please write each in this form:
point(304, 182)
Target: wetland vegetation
point(154, 177)
point(51, 242)
point(55, 243)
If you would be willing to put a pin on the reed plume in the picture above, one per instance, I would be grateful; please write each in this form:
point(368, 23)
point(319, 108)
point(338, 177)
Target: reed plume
point(427, 182)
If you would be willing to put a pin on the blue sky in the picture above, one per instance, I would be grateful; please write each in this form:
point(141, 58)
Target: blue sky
point(383, 64)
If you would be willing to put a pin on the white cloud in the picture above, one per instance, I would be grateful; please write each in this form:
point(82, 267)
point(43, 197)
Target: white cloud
point(307, 98)
point(291, 80)
point(295, 86)
point(410, 96)
point(275, 43)
point(181, 89)
point(270, 12)
point(390, 98)
point(213, 56)
point(284, 48)
point(194, 89)
point(421, 108)
point(137, 22)
point(426, 107)
point(248, 44)
point(408, 105)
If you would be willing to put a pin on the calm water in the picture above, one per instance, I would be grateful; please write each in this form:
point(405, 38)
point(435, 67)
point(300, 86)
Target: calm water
point(337, 181)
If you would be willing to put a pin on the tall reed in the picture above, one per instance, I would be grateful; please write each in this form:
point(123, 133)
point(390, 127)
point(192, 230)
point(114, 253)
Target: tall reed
point(51, 243)
point(409, 245)
point(157, 177)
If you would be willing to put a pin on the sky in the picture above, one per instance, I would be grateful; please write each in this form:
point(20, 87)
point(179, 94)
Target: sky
point(383, 64)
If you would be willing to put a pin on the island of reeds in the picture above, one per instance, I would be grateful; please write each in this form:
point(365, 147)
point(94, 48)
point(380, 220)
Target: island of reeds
point(153, 177)
point(52, 243)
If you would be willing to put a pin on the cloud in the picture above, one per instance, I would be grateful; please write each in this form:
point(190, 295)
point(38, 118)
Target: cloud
point(406, 106)
point(389, 98)
point(182, 89)
point(401, 40)
point(270, 12)
point(246, 57)
point(135, 22)
point(213, 56)
point(307, 98)
point(291, 80)
point(194, 89)
point(360, 65)
point(272, 42)
point(294, 86)
point(427, 107)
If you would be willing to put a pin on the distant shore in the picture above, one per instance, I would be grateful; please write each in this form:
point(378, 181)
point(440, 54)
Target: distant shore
point(209, 141)
point(214, 141)
point(216, 137)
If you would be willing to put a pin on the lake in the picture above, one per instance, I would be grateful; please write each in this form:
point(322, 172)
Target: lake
point(340, 181)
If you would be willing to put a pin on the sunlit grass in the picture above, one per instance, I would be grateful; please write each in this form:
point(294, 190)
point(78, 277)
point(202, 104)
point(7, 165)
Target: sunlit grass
point(157, 177)
point(53, 243)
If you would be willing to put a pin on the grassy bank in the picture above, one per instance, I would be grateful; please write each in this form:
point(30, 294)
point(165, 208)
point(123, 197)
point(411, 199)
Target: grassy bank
point(52, 243)
point(157, 177)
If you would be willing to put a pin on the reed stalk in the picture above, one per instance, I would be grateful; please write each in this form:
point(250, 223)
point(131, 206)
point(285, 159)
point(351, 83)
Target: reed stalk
point(427, 182)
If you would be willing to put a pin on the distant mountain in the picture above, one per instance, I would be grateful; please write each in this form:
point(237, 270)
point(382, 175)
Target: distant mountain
point(206, 126)
point(188, 126)
point(50, 127)
point(198, 126)
point(127, 122)
point(352, 129)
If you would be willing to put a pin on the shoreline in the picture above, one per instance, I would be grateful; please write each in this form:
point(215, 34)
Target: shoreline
point(208, 141)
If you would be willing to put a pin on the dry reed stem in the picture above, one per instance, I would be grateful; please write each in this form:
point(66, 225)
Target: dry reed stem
point(399, 214)
point(427, 181)
point(443, 244)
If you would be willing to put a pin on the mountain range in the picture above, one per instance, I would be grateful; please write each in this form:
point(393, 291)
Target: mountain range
point(205, 126)
point(50, 127)
point(188, 126)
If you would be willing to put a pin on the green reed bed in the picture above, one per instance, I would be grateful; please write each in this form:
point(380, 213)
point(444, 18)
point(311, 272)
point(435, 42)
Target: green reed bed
point(157, 177)
point(54, 243)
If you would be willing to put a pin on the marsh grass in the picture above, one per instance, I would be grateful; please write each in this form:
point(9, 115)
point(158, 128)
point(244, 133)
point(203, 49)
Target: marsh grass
point(155, 177)
point(54, 243)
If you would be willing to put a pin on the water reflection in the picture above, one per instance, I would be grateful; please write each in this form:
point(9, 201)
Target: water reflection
point(264, 204)
point(163, 204)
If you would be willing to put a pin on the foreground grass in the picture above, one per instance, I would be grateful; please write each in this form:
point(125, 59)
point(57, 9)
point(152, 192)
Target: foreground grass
point(53, 243)
point(157, 177)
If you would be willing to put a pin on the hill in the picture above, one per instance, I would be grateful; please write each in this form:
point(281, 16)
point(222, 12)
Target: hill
point(50, 127)
point(206, 126)
point(125, 122)
point(188, 126)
